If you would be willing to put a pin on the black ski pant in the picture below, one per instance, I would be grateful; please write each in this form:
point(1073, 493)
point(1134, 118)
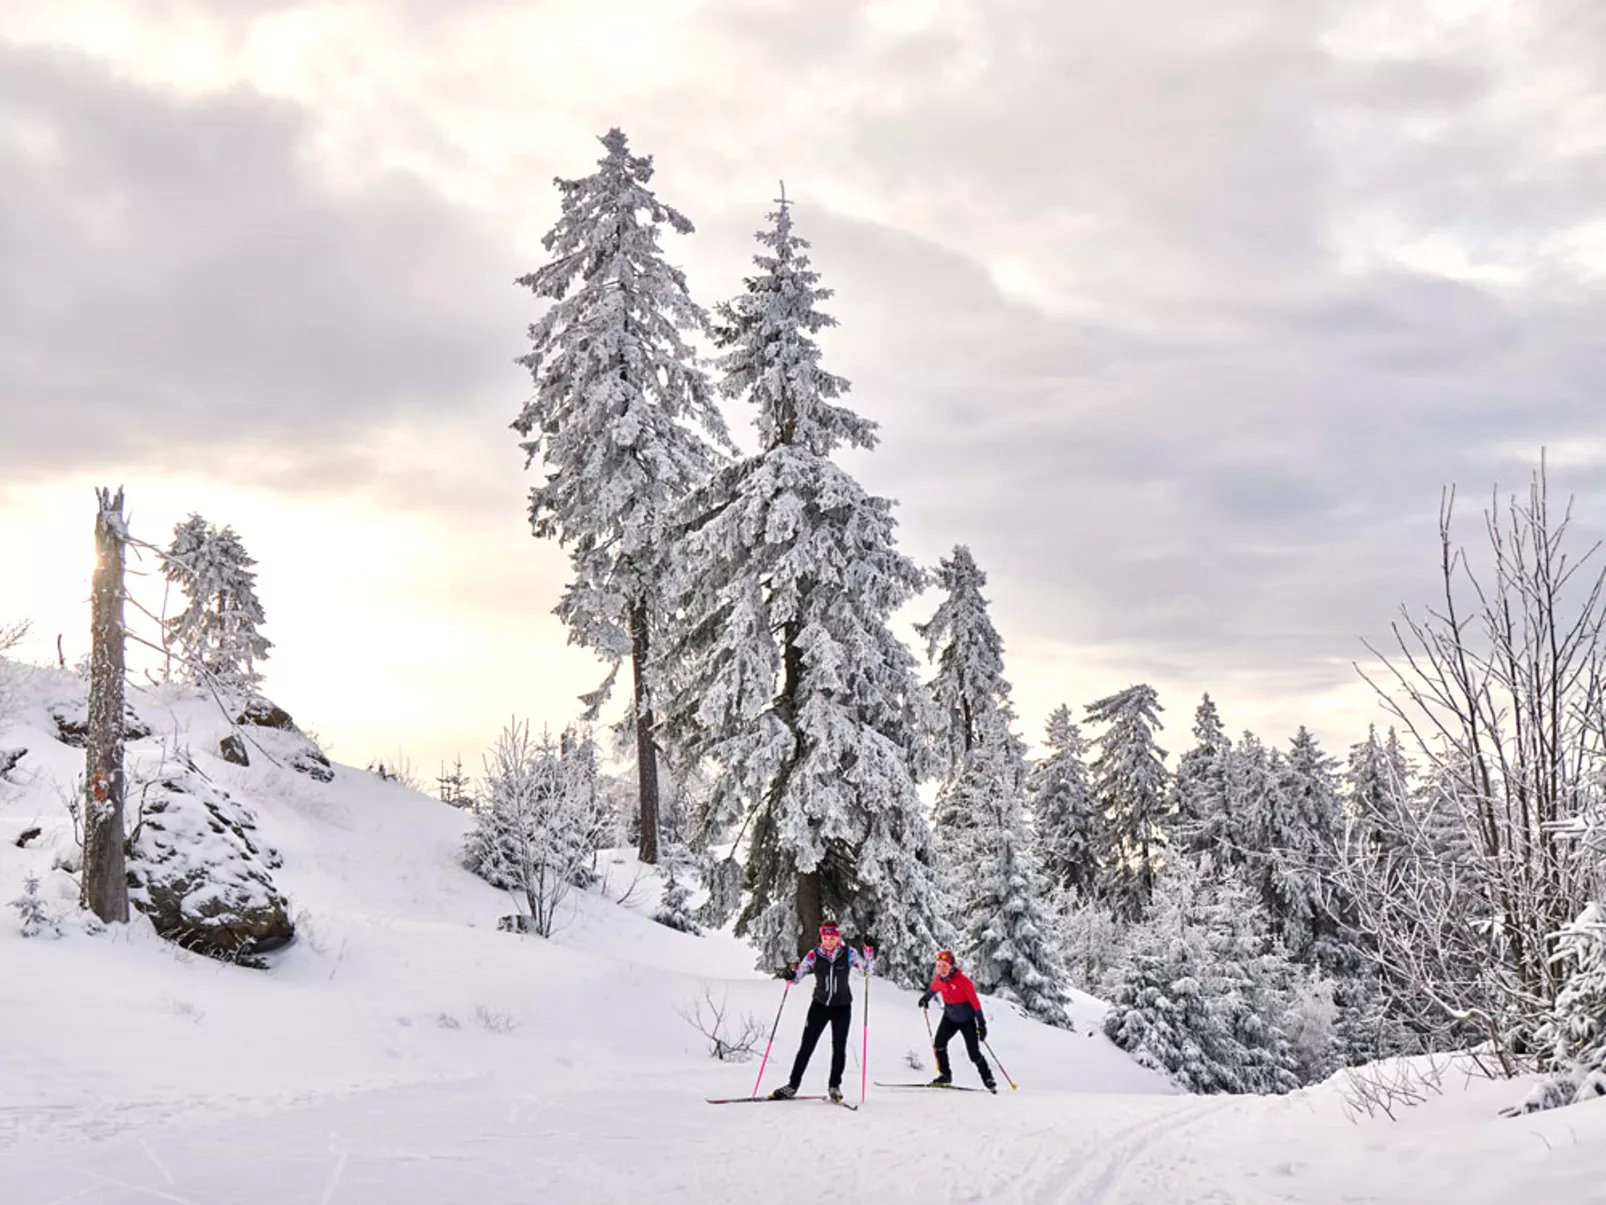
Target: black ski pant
point(945, 1032)
point(840, 1016)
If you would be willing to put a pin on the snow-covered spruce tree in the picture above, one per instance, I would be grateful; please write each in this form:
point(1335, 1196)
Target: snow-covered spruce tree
point(216, 635)
point(1202, 823)
point(1010, 933)
point(1070, 832)
point(1376, 786)
point(674, 909)
point(970, 694)
point(617, 389)
point(787, 674)
point(1131, 788)
point(532, 835)
point(980, 822)
point(1205, 992)
point(1295, 838)
point(38, 916)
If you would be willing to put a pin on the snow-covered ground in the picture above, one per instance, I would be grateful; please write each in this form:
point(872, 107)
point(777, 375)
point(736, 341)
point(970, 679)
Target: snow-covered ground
point(404, 1052)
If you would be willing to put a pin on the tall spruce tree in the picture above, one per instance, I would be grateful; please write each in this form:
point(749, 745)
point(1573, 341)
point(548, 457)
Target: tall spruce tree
point(787, 673)
point(1130, 785)
point(617, 387)
point(971, 710)
point(980, 818)
point(216, 634)
point(1070, 831)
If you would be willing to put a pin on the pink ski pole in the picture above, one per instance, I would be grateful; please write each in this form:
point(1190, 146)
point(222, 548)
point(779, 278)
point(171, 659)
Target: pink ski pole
point(771, 1042)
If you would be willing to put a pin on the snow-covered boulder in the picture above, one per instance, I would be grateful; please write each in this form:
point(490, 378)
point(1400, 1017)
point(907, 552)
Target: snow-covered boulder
point(198, 869)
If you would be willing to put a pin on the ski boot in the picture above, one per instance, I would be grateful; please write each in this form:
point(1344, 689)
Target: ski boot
point(835, 1093)
point(942, 1081)
point(784, 1092)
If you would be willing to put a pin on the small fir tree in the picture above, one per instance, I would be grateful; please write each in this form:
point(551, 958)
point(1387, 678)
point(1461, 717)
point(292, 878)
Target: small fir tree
point(39, 919)
point(216, 635)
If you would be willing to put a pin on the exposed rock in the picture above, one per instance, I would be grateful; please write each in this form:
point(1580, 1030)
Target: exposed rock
point(295, 747)
point(262, 713)
point(72, 723)
point(9, 759)
point(312, 761)
point(27, 835)
point(232, 749)
point(198, 869)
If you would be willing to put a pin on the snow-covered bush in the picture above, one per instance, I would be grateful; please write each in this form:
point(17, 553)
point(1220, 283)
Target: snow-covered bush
point(534, 833)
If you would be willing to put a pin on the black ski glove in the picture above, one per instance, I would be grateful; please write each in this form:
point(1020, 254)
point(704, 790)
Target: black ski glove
point(981, 1028)
point(926, 998)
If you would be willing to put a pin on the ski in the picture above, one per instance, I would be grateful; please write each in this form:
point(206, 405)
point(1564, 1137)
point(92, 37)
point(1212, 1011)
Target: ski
point(758, 1100)
point(943, 1087)
point(845, 1105)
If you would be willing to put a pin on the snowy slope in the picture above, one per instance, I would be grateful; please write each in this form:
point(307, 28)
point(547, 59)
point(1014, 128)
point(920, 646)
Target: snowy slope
point(405, 1052)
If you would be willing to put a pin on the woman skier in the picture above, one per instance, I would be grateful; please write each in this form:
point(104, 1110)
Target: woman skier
point(961, 1013)
point(832, 965)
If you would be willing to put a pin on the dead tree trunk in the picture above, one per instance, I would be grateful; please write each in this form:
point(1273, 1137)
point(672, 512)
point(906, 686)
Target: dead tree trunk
point(104, 889)
point(646, 750)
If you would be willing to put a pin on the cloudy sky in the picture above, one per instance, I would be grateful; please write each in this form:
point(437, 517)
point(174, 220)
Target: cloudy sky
point(1179, 314)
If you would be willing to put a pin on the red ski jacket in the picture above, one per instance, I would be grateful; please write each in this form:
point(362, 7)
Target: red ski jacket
point(959, 999)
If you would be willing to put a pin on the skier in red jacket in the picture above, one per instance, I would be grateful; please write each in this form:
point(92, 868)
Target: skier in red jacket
point(961, 1013)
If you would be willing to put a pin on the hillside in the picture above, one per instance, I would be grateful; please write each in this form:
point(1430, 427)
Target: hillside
point(403, 1051)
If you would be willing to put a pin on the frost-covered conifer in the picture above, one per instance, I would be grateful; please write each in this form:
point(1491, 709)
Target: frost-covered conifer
point(1205, 993)
point(787, 674)
point(674, 907)
point(1130, 785)
point(1009, 931)
point(970, 694)
point(216, 635)
point(1295, 835)
point(618, 391)
point(38, 917)
point(1071, 840)
point(1202, 823)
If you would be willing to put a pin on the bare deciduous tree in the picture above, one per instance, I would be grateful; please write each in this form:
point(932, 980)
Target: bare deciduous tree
point(1462, 889)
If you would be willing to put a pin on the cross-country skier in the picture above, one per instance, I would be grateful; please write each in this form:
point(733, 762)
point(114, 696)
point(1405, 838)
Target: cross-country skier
point(961, 1013)
point(832, 964)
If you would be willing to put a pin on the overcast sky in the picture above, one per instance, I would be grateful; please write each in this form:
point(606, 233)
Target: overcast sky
point(1179, 314)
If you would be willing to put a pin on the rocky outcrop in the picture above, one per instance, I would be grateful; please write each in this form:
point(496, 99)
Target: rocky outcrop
point(294, 745)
